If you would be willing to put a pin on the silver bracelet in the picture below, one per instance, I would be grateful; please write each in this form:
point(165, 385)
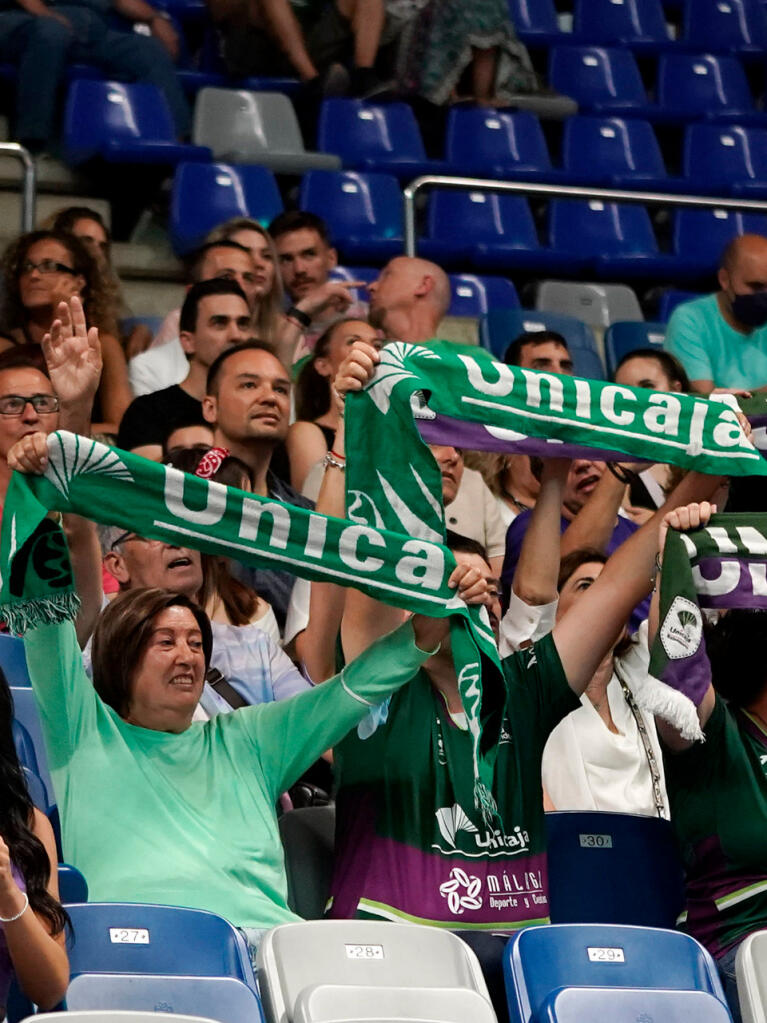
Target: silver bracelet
point(330, 459)
point(24, 908)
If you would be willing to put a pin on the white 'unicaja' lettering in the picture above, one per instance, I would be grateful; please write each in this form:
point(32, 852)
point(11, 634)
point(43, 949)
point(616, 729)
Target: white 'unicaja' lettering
point(663, 417)
point(315, 536)
point(725, 582)
point(499, 388)
point(607, 404)
point(348, 544)
point(722, 540)
point(250, 523)
point(697, 423)
point(215, 504)
point(754, 541)
point(758, 572)
point(728, 432)
point(535, 383)
point(425, 567)
point(582, 399)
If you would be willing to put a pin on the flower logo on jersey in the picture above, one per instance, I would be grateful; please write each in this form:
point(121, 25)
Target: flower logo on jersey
point(451, 820)
point(461, 891)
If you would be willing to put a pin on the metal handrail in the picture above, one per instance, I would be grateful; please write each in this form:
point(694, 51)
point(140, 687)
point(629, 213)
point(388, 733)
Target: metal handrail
point(28, 185)
point(562, 191)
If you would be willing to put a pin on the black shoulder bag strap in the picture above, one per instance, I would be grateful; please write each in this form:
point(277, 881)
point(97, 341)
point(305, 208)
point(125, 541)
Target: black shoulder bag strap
point(216, 681)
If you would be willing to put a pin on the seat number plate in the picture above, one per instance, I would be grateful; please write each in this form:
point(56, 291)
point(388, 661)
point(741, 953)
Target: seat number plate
point(606, 955)
point(596, 841)
point(364, 951)
point(129, 935)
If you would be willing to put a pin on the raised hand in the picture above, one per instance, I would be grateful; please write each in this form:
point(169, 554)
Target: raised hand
point(73, 355)
point(333, 296)
point(685, 518)
point(30, 454)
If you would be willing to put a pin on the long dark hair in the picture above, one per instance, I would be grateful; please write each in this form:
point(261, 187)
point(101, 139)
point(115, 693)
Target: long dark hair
point(26, 850)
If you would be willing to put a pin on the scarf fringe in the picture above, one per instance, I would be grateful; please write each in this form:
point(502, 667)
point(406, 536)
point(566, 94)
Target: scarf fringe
point(31, 614)
point(678, 710)
point(485, 802)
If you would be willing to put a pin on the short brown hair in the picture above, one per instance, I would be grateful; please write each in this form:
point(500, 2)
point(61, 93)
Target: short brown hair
point(122, 634)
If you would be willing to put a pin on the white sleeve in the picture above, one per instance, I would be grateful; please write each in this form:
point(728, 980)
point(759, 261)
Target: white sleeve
point(524, 624)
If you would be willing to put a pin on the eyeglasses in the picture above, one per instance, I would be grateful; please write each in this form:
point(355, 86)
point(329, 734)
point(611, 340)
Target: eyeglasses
point(46, 266)
point(14, 404)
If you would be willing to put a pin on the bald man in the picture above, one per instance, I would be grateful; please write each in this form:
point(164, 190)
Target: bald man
point(721, 339)
point(409, 299)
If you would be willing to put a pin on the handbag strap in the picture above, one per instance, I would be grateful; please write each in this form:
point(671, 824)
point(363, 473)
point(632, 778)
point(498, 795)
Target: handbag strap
point(216, 681)
point(652, 760)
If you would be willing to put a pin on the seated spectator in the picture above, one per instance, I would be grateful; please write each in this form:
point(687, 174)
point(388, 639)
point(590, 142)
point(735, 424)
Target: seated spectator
point(88, 225)
point(311, 436)
point(196, 436)
point(41, 270)
point(540, 349)
point(32, 947)
point(721, 339)
point(409, 299)
point(165, 363)
point(306, 258)
point(43, 40)
point(510, 480)
point(215, 315)
point(312, 37)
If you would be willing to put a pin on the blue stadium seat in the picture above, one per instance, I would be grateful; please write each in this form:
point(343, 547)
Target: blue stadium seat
point(705, 87)
point(699, 237)
point(725, 26)
point(172, 941)
point(497, 144)
point(626, 336)
point(602, 79)
point(474, 296)
point(38, 793)
point(256, 83)
point(726, 158)
point(122, 123)
point(499, 327)
point(25, 711)
point(539, 960)
point(535, 22)
point(670, 298)
point(627, 1005)
point(25, 747)
point(640, 24)
point(363, 211)
point(615, 151)
point(72, 885)
point(13, 660)
point(356, 273)
point(613, 239)
point(205, 195)
point(615, 844)
point(368, 137)
point(127, 323)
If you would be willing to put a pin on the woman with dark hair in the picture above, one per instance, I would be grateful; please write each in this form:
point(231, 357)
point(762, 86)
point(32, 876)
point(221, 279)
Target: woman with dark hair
point(42, 269)
point(32, 920)
point(311, 435)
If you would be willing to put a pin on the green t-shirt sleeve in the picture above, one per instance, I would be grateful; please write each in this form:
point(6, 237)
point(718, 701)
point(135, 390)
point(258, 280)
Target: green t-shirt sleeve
point(64, 693)
point(683, 339)
point(289, 735)
point(536, 681)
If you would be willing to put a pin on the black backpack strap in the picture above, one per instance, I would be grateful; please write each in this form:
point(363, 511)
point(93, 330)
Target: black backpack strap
point(216, 681)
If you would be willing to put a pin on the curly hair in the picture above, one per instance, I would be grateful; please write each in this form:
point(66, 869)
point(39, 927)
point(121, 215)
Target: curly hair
point(95, 295)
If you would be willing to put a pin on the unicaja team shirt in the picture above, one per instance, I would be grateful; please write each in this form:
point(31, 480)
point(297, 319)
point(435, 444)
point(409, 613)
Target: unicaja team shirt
point(718, 795)
point(410, 844)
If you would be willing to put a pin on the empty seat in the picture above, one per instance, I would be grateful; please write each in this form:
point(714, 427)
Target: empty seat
point(13, 660)
point(705, 87)
point(729, 158)
point(535, 22)
point(599, 848)
point(72, 885)
point(205, 195)
point(374, 138)
point(623, 337)
point(628, 1005)
point(122, 123)
point(699, 237)
point(497, 144)
point(474, 296)
point(499, 327)
point(596, 304)
point(255, 127)
point(111, 1016)
point(640, 24)
point(616, 151)
point(294, 958)
point(363, 211)
point(751, 976)
point(308, 838)
point(612, 239)
point(725, 26)
point(25, 748)
point(37, 790)
point(332, 1003)
point(602, 79)
point(539, 960)
point(224, 999)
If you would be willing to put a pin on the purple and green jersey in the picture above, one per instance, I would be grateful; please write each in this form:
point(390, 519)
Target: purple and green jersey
point(410, 843)
point(718, 795)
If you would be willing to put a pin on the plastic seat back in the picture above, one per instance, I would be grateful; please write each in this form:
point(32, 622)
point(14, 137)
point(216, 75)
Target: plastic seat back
point(701, 235)
point(112, 1016)
point(361, 953)
point(485, 141)
point(695, 86)
point(330, 1003)
point(358, 131)
point(129, 938)
point(499, 327)
point(308, 838)
point(624, 337)
point(13, 660)
point(474, 296)
point(627, 1005)
point(596, 76)
point(719, 157)
point(37, 790)
point(600, 847)
point(225, 999)
point(354, 204)
point(604, 21)
point(724, 25)
point(596, 304)
point(459, 216)
point(539, 960)
point(25, 711)
point(671, 298)
point(72, 885)
point(25, 747)
point(98, 113)
point(237, 122)
point(597, 228)
point(205, 195)
point(534, 17)
point(596, 148)
point(751, 976)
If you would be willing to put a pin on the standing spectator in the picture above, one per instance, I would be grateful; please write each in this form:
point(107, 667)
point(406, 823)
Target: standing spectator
point(44, 268)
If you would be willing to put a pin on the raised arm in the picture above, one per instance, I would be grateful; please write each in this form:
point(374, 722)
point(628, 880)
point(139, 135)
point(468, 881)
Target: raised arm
point(586, 634)
point(594, 524)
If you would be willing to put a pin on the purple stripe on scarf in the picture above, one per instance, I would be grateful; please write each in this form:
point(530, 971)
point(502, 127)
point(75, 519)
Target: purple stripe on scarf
point(736, 576)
